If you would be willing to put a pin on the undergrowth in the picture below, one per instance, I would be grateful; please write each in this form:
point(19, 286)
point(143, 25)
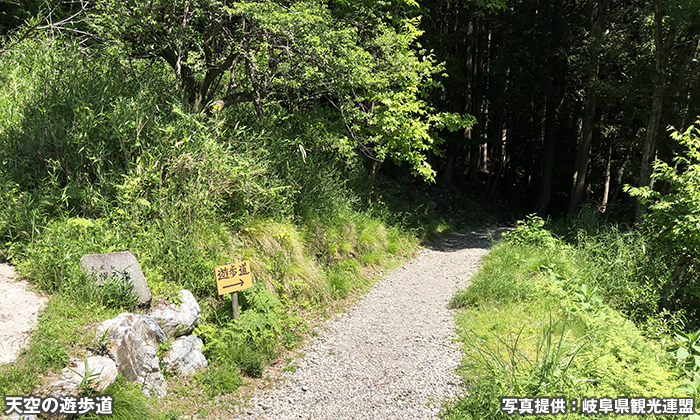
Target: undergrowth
point(100, 155)
point(545, 318)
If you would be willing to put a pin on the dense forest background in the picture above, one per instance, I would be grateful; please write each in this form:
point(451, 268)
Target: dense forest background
point(571, 100)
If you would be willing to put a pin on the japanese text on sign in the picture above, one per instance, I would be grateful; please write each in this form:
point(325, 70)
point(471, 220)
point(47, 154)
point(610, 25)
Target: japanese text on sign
point(233, 277)
point(597, 406)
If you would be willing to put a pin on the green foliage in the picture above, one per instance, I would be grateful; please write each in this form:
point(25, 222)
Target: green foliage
point(675, 217)
point(545, 371)
point(511, 274)
point(282, 263)
point(353, 76)
point(116, 292)
point(129, 402)
point(590, 301)
point(252, 340)
point(87, 380)
point(340, 282)
point(686, 351)
point(581, 347)
point(219, 379)
point(621, 268)
point(163, 348)
point(673, 223)
point(482, 403)
point(530, 232)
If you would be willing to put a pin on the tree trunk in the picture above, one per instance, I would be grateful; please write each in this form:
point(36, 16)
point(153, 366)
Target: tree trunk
point(584, 147)
point(459, 102)
point(606, 187)
point(545, 188)
point(477, 98)
point(450, 164)
point(648, 149)
point(583, 152)
point(618, 179)
point(373, 170)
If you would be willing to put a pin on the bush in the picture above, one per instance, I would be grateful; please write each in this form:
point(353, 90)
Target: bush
point(673, 223)
point(219, 379)
point(579, 347)
point(253, 339)
point(530, 232)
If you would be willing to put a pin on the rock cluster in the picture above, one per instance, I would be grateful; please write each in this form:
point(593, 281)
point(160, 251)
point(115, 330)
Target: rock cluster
point(130, 342)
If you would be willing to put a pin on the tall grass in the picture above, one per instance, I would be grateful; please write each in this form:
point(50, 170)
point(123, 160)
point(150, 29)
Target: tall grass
point(534, 324)
point(100, 155)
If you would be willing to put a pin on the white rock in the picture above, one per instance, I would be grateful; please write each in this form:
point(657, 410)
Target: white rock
point(103, 371)
point(185, 357)
point(178, 320)
point(132, 342)
point(16, 416)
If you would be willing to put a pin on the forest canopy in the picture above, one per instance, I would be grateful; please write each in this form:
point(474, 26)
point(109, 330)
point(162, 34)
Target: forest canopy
point(553, 104)
point(345, 70)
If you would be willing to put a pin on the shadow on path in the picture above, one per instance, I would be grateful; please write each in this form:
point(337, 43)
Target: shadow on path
point(481, 237)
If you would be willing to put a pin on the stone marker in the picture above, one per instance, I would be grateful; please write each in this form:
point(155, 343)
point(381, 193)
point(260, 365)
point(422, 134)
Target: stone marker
point(116, 264)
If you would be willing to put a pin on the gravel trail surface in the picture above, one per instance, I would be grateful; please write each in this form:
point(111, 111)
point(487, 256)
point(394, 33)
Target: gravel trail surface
point(19, 312)
point(392, 356)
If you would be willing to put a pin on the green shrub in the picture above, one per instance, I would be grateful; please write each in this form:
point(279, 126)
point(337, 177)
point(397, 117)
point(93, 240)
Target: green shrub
point(530, 232)
point(253, 339)
point(219, 379)
point(583, 347)
point(340, 282)
point(627, 275)
point(129, 402)
point(514, 273)
point(673, 223)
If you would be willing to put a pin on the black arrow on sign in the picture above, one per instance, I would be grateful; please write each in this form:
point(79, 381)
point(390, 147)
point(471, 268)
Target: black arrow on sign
point(234, 284)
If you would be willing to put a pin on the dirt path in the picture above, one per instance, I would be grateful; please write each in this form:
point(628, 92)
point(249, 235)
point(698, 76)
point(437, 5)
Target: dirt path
point(390, 357)
point(19, 311)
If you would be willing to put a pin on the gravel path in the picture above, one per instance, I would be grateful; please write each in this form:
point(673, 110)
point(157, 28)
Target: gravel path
point(392, 356)
point(19, 312)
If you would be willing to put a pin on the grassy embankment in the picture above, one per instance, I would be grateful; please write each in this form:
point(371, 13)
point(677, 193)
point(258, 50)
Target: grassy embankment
point(99, 155)
point(547, 317)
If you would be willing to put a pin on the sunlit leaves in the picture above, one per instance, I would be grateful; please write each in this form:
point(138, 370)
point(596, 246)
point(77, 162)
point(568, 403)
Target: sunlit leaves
point(675, 217)
point(351, 70)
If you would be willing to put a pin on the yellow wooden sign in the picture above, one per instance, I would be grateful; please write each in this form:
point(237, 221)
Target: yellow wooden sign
point(233, 277)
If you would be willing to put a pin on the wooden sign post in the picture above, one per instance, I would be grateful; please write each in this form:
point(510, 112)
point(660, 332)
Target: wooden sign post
point(232, 278)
